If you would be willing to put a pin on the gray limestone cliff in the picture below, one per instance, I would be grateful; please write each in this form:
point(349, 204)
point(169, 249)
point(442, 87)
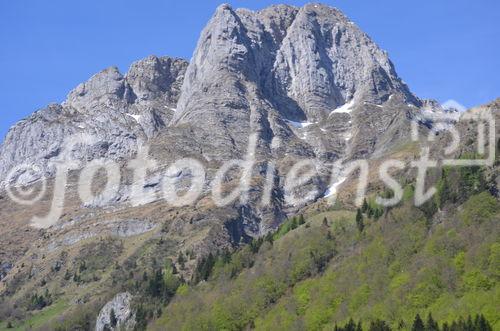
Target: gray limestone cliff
point(117, 110)
point(306, 81)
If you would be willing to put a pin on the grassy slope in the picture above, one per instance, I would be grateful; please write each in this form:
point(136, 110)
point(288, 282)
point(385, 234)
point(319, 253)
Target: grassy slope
point(400, 265)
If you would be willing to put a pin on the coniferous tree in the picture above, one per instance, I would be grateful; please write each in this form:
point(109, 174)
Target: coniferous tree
point(482, 324)
point(204, 268)
point(359, 221)
point(379, 325)
point(469, 325)
point(270, 238)
point(350, 326)
point(155, 286)
point(378, 213)
point(140, 318)
point(226, 256)
point(431, 325)
point(364, 207)
point(418, 324)
point(181, 259)
point(370, 212)
point(301, 219)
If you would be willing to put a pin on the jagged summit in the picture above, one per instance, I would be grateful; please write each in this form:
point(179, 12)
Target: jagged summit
point(307, 60)
point(307, 81)
point(119, 110)
point(252, 71)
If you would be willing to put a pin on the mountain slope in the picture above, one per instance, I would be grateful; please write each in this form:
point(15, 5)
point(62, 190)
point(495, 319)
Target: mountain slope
point(327, 271)
point(306, 83)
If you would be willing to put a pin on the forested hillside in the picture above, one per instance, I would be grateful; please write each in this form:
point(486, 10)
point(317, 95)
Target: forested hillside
point(322, 270)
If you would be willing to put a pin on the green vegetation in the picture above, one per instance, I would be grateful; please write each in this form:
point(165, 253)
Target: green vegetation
point(312, 276)
point(39, 319)
point(373, 268)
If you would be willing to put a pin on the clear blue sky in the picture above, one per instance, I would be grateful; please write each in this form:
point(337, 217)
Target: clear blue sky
point(442, 49)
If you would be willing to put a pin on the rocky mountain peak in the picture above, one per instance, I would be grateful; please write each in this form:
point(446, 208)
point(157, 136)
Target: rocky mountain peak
point(104, 88)
point(157, 77)
point(307, 61)
point(118, 109)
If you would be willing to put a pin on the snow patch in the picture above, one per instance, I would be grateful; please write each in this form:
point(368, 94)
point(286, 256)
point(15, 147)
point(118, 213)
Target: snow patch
point(453, 105)
point(275, 143)
point(346, 108)
point(299, 125)
point(334, 187)
point(373, 104)
point(135, 117)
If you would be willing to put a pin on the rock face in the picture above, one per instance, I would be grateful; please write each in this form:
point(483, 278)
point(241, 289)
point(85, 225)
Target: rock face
point(124, 318)
point(117, 110)
point(307, 82)
point(252, 71)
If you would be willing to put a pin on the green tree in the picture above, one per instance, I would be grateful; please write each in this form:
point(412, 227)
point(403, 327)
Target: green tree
point(350, 326)
point(364, 207)
point(431, 325)
point(140, 318)
point(418, 324)
point(204, 268)
point(359, 220)
point(301, 219)
point(379, 325)
point(481, 324)
point(181, 260)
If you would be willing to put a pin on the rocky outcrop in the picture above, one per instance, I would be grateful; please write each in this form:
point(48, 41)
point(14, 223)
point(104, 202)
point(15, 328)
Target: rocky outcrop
point(117, 110)
point(4, 269)
point(124, 319)
point(307, 82)
point(252, 70)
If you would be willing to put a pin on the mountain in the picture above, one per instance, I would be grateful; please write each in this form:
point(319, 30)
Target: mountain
point(277, 86)
point(118, 110)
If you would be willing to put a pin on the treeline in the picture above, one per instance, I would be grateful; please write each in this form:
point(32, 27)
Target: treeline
point(478, 323)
